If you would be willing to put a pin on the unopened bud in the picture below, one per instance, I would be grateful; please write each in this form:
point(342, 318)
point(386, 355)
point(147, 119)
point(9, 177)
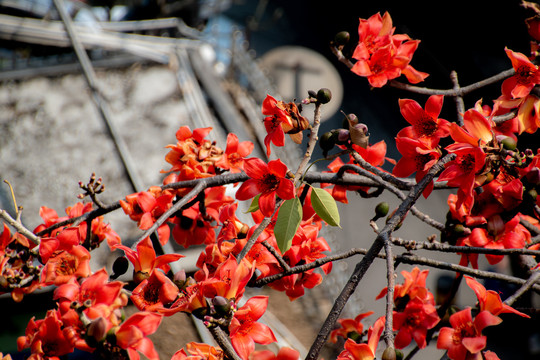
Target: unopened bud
point(97, 329)
point(509, 143)
point(381, 210)
point(342, 136)
point(533, 176)
point(180, 279)
point(327, 141)
point(342, 38)
point(119, 267)
point(221, 305)
point(324, 95)
point(389, 354)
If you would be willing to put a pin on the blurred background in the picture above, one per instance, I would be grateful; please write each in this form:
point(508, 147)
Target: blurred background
point(155, 65)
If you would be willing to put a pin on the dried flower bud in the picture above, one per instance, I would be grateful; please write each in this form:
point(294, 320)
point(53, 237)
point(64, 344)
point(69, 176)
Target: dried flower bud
point(359, 134)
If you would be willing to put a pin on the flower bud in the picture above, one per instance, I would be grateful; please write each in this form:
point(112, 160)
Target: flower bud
point(180, 279)
point(96, 331)
point(389, 354)
point(119, 267)
point(381, 210)
point(327, 141)
point(533, 176)
point(359, 135)
point(342, 38)
point(342, 136)
point(221, 305)
point(509, 143)
point(324, 95)
point(495, 225)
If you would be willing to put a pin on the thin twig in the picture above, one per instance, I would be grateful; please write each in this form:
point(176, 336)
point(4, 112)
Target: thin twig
point(201, 185)
point(461, 91)
point(460, 105)
point(414, 210)
point(437, 246)
point(19, 227)
point(311, 143)
point(278, 257)
point(418, 260)
point(531, 281)
point(390, 278)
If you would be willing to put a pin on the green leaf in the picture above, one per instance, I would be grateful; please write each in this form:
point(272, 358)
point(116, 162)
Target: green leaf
point(288, 220)
point(254, 205)
point(325, 206)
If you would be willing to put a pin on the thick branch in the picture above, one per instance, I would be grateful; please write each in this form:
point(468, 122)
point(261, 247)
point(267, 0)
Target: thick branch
point(372, 253)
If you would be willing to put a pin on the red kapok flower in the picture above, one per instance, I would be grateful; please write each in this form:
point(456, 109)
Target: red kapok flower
point(417, 157)
point(246, 331)
point(489, 300)
point(132, 334)
point(64, 265)
point(284, 353)
point(266, 180)
point(414, 322)
point(144, 259)
point(525, 78)
point(155, 292)
point(282, 118)
point(465, 337)
point(425, 124)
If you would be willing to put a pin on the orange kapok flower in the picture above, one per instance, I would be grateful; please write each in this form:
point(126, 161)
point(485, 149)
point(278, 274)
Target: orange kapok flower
point(199, 351)
point(146, 206)
point(246, 331)
point(233, 159)
point(465, 337)
point(350, 328)
point(355, 351)
point(266, 180)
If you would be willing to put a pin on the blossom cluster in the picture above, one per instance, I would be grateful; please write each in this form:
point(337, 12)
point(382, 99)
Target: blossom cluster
point(496, 198)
